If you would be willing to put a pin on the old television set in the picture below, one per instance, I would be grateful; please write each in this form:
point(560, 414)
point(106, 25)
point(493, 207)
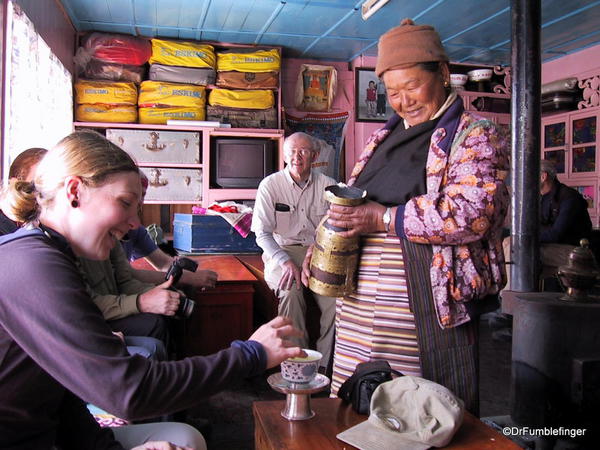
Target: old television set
point(242, 163)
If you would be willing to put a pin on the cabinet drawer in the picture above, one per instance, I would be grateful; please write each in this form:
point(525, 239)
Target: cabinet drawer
point(168, 185)
point(172, 147)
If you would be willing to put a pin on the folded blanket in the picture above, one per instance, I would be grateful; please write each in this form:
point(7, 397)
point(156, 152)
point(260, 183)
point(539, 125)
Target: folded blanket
point(237, 215)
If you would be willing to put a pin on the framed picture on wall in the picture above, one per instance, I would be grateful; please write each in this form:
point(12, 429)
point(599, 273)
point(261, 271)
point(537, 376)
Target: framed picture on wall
point(370, 102)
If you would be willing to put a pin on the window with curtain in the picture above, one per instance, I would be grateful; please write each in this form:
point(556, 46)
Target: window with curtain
point(38, 90)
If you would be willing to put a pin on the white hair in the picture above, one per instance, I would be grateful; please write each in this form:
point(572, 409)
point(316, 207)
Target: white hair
point(314, 145)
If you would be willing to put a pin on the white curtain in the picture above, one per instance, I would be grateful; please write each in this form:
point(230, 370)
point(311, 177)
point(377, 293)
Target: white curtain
point(38, 90)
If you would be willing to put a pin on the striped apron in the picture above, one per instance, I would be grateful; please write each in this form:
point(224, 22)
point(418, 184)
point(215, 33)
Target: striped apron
point(392, 317)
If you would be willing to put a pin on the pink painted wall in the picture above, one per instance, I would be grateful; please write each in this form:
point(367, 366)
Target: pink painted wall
point(356, 132)
point(581, 63)
point(342, 101)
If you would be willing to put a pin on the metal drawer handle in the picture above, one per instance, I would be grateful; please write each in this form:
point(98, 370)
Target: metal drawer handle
point(186, 143)
point(154, 147)
point(154, 179)
point(121, 141)
point(187, 180)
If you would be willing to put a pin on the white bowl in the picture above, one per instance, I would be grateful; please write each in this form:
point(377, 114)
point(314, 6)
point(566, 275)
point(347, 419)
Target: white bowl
point(480, 74)
point(301, 370)
point(458, 79)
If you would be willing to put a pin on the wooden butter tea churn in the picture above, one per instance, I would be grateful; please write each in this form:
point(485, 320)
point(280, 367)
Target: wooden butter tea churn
point(335, 258)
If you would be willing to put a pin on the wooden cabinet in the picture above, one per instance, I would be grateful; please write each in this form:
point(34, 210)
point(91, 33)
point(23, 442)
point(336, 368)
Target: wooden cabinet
point(177, 159)
point(221, 316)
point(571, 141)
point(157, 147)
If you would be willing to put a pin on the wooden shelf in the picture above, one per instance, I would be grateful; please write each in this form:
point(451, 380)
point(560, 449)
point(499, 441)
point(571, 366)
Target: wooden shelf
point(171, 165)
point(147, 126)
point(464, 93)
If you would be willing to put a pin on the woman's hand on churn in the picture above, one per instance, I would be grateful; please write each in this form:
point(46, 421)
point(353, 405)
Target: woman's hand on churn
point(357, 220)
point(290, 273)
point(306, 265)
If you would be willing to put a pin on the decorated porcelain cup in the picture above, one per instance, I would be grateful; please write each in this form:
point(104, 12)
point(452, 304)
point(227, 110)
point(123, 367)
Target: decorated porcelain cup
point(301, 369)
point(480, 74)
point(458, 79)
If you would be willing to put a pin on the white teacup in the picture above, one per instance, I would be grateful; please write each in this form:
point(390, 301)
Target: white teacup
point(301, 370)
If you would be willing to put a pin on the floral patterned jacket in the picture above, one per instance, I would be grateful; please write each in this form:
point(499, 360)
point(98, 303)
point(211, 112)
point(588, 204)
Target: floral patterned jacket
point(462, 213)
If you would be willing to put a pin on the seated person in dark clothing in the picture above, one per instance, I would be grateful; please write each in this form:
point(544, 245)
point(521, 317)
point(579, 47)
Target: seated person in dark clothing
point(22, 168)
point(563, 210)
point(55, 346)
point(564, 221)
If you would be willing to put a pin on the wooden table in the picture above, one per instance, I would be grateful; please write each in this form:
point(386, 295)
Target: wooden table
point(222, 314)
point(273, 432)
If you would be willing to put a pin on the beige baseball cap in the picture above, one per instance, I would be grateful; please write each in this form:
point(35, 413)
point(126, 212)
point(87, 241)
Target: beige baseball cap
point(408, 413)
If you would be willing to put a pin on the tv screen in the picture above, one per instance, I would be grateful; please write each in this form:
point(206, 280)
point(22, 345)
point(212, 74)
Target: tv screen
point(242, 163)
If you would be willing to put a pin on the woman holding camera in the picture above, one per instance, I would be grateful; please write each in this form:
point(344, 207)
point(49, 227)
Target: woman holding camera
point(55, 346)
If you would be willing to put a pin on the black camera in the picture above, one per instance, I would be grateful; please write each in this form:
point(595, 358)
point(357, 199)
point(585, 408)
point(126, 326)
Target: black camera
point(186, 305)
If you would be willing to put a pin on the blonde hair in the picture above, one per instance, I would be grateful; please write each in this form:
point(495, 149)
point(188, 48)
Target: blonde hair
point(85, 154)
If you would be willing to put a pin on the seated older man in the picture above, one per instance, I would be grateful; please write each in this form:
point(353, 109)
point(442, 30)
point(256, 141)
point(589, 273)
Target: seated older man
point(289, 206)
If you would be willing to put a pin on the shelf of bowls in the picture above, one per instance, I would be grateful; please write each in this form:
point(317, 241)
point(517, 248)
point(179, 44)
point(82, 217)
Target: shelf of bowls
point(482, 89)
point(483, 80)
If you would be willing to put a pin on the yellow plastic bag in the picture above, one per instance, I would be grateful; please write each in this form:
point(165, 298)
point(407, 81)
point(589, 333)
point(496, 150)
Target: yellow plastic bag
point(181, 53)
point(106, 113)
point(153, 93)
point(105, 92)
point(256, 61)
point(252, 99)
point(162, 114)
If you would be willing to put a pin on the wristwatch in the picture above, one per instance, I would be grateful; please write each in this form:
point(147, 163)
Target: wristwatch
point(387, 219)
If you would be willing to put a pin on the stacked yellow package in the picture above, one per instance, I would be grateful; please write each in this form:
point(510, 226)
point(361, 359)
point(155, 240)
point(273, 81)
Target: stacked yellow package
point(160, 101)
point(250, 69)
point(161, 115)
point(184, 54)
point(252, 99)
point(251, 61)
point(104, 101)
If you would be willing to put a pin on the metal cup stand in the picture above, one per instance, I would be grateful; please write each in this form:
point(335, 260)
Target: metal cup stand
point(297, 402)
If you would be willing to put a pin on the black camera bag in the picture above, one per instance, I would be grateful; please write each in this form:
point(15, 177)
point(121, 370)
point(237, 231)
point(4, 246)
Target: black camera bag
point(358, 389)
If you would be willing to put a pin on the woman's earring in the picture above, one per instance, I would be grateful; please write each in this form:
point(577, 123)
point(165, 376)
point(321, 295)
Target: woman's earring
point(74, 203)
point(446, 84)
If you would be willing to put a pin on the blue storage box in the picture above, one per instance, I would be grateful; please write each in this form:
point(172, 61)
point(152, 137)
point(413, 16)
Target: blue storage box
point(194, 233)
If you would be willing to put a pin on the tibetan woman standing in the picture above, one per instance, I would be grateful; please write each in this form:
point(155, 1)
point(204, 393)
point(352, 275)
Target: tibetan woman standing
point(431, 258)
